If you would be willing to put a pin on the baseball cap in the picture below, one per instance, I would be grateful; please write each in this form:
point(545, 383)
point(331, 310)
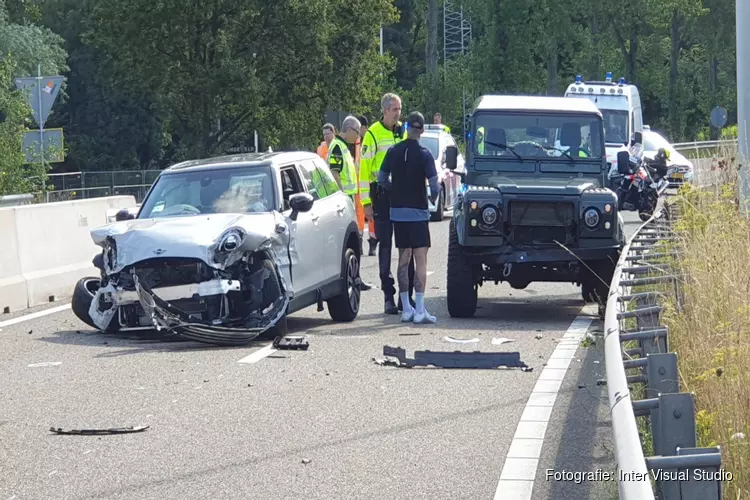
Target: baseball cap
point(415, 120)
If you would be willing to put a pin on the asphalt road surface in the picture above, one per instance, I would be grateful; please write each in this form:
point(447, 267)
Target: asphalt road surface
point(319, 424)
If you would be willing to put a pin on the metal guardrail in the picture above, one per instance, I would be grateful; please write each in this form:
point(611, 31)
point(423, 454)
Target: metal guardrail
point(679, 469)
point(699, 145)
point(82, 185)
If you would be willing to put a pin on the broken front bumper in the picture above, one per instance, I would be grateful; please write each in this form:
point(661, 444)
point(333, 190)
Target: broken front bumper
point(162, 314)
point(165, 315)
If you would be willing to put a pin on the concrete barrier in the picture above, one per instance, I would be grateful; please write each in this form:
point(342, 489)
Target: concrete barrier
point(46, 248)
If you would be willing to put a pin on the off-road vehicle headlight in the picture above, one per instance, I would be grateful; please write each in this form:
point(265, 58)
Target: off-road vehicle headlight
point(489, 215)
point(591, 217)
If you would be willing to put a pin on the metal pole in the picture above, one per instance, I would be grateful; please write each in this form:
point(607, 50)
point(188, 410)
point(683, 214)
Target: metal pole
point(381, 40)
point(255, 133)
point(41, 121)
point(743, 99)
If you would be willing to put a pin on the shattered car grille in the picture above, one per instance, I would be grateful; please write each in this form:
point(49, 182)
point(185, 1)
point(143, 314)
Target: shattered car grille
point(156, 273)
point(533, 222)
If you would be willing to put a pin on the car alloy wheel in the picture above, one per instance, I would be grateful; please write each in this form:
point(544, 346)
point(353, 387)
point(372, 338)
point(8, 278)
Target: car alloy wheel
point(352, 283)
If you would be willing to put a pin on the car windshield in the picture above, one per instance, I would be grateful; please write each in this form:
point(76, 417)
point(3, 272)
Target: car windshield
point(615, 126)
point(538, 136)
point(220, 190)
point(653, 141)
point(431, 143)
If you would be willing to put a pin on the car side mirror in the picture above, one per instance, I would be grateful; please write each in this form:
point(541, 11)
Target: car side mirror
point(124, 214)
point(451, 157)
point(300, 202)
point(623, 162)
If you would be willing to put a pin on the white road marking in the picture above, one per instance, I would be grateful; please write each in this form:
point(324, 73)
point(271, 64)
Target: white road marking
point(38, 314)
point(519, 471)
point(259, 354)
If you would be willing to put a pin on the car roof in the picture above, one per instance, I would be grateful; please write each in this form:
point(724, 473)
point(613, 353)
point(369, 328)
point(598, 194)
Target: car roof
point(242, 160)
point(535, 103)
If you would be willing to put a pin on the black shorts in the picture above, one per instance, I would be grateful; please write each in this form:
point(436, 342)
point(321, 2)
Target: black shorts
point(412, 234)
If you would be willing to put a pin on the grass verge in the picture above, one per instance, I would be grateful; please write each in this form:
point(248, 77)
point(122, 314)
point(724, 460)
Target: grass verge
point(711, 334)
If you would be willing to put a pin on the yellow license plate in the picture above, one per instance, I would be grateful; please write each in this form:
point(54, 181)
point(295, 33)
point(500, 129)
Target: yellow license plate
point(678, 176)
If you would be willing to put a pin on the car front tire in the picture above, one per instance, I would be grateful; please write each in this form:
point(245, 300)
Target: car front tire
point(83, 294)
point(462, 291)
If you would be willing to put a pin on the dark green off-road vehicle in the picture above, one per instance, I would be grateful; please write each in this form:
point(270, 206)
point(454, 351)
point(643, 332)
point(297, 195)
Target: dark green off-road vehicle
point(532, 205)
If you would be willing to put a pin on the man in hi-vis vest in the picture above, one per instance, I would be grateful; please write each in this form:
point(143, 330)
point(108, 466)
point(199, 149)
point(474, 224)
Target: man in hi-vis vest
point(379, 138)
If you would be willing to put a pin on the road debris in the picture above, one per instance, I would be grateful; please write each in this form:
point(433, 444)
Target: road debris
point(455, 359)
point(306, 460)
point(409, 334)
point(291, 342)
point(501, 341)
point(46, 363)
point(99, 432)
point(460, 341)
point(539, 336)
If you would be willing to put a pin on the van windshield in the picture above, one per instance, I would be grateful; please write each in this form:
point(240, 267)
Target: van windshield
point(615, 126)
point(538, 136)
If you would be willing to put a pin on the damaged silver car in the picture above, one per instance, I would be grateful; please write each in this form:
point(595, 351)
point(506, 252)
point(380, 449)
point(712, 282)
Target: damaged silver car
point(222, 250)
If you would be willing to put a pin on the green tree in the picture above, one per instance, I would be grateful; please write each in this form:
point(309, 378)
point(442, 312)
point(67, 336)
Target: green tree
point(16, 177)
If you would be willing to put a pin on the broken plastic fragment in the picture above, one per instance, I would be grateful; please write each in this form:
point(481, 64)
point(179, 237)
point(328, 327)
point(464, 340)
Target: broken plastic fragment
point(456, 359)
point(460, 341)
point(502, 340)
point(46, 363)
point(94, 432)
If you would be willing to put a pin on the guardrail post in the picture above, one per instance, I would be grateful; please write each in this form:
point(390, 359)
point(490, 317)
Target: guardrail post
point(677, 415)
point(646, 321)
point(703, 483)
point(661, 372)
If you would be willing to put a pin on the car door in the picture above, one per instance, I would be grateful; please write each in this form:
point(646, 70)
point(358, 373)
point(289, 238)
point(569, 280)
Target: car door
point(330, 206)
point(305, 231)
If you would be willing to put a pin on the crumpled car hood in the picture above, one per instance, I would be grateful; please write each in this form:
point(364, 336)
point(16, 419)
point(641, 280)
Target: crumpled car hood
point(187, 236)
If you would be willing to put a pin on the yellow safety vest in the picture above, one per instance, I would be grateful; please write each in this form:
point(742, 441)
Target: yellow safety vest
point(378, 140)
point(480, 144)
point(348, 172)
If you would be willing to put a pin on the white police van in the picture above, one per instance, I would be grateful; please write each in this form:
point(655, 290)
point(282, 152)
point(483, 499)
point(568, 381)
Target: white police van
point(620, 105)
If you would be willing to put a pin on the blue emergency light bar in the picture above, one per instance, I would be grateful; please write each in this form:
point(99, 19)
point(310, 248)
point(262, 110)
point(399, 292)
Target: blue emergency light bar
point(608, 77)
point(579, 79)
point(622, 80)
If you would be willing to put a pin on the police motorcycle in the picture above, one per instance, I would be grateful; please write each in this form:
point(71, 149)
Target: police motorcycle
point(642, 182)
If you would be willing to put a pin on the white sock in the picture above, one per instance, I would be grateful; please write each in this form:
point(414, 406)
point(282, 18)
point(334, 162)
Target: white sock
point(405, 304)
point(419, 299)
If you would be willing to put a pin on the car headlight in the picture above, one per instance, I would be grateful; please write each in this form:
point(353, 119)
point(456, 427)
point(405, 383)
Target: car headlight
point(489, 215)
point(591, 217)
point(231, 241)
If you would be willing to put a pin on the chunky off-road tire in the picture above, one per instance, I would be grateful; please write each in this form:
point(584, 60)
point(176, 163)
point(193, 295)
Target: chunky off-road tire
point(440, 212)
point(588, 291)
point(345, 307)
point(595, 282)
point(83, 294)
point(271, 291)
point(462, 291)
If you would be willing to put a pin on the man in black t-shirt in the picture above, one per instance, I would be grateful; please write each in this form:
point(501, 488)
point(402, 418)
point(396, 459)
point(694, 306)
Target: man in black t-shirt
point(409, 164)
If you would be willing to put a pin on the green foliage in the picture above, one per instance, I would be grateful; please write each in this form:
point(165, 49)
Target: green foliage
point(152, 83)
point(15, 176)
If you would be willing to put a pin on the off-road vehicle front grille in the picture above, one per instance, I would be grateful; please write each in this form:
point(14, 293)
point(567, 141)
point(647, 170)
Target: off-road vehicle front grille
point(533, 222)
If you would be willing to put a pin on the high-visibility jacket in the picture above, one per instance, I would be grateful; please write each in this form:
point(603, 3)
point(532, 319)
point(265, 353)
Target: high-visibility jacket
point(378, 140)
point(480, 140)
point(340, 160)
